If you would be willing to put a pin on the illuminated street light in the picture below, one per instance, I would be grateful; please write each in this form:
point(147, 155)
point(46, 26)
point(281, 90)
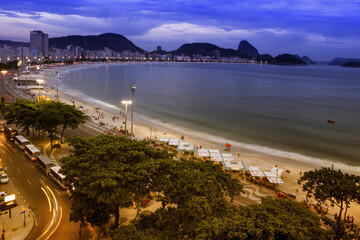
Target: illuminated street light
point(4, 72)
point(133, 87)
point(39, 81)
point(126, 102)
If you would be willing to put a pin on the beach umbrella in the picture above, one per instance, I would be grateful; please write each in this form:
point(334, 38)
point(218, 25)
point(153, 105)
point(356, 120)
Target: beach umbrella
point(227, 145)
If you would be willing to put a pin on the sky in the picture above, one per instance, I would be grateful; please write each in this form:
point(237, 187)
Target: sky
point(320, 29)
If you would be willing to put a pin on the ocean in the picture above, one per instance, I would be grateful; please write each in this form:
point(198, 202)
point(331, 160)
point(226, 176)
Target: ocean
point(282, 110)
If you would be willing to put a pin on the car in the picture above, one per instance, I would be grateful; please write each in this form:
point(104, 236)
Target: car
point(2, 170)
point(4, 178)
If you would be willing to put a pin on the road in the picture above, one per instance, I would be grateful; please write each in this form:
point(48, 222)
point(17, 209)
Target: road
point(50, 203)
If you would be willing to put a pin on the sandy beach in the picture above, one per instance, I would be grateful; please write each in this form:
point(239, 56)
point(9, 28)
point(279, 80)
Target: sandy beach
point(153, 130)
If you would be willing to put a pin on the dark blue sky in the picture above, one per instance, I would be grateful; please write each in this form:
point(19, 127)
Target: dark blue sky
point(317, 28)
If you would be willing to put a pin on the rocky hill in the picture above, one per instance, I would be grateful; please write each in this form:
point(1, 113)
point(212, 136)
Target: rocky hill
point(246, 49)
point(305, 59)
point(287, 59)
point(340, 61)
point(351, 64)
point(204, 49)
point(112, 41)
point(13, 43)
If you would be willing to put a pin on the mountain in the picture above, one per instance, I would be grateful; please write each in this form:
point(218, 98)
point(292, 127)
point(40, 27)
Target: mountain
point(305, 59)
point(340, 61)
point(204, 49)
point(115, 42)
point(351, 64)
point(265, 58)
point(287, 59)
point(13, 43)
point(245, 48)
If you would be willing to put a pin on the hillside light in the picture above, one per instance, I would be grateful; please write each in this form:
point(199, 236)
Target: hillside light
point(39, 81)
point(133, 87)
point(126, 102)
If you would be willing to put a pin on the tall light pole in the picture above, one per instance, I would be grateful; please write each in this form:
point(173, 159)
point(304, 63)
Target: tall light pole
point(4, 72)
point(57, 86)
point(133, 87)
point(126, 102)
point(39, 81)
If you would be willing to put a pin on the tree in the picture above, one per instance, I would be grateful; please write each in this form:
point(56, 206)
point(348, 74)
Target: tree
point(339, 188)
point(113, 171)
point(272, 219)
point(50, 118)
point(71, 118)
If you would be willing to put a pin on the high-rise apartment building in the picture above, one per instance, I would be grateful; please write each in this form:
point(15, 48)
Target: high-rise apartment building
point(40, 41)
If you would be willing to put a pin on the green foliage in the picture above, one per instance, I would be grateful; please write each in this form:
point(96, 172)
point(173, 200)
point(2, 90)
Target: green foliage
point(2, 106)
point(114, 171)
point(272, 219)
point(9, 65)
point(339, 188)
point(44, 115)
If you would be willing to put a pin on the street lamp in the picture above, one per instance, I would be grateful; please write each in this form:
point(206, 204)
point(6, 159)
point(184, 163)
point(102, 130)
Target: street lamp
point(39, 81)
point(126, 102)
point(133, 87)
point(4, 72)
point(57, 86)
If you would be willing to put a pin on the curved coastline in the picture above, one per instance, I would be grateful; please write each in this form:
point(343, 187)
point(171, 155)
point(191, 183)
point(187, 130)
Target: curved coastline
point(248, 151)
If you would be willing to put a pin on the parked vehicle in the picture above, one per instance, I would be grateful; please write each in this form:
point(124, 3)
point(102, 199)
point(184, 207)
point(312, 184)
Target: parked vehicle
point(57, 177)
point(21, 141)
point(4, 178)
point(10, 132)
point(45, 163)
point(32, 152)
point(2, 170)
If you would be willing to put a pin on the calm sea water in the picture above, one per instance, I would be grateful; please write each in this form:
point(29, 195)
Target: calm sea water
point(278, 107)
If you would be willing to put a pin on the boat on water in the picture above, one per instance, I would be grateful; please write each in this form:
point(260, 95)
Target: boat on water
point(331, 121)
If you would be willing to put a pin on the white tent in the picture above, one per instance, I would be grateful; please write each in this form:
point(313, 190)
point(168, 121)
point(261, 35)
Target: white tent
point(257, 173)
point(185, 146)
point(173, 141)
point(275, 180)
point(216, 158)
point(232, 165)
point(278, 170)
point(227, 156)
point(164, 140)
point(253, 168)
point(203, 152)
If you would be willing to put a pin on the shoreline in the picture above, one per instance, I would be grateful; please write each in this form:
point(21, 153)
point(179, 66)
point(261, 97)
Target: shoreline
point(143, 125)
point(142, 130)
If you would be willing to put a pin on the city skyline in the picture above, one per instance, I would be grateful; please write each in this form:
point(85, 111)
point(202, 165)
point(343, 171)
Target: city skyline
point(319, 29)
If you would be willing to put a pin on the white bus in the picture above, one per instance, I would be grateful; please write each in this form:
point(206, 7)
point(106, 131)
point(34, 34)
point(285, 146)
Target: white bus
point(45, 163)
point(32, 152)
point(57, 177)
point(21, 141)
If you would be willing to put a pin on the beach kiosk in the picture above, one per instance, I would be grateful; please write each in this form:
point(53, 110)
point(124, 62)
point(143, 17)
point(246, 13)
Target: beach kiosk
point(32, 152)
point(215, 156)
point(233, 166)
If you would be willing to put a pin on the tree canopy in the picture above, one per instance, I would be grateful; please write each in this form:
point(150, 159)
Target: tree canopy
point(339, 188)
point(44, 115)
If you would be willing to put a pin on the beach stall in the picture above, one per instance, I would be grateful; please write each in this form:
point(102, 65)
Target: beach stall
point(227, 156)
point(173, 141)
point(254, 172)
point(273, 177)
point(233, 166)
point(215, 155)
point(185, 147)
point(164, 140)
point(203, 153)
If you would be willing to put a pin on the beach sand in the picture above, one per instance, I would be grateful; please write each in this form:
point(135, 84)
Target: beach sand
point(101, 116)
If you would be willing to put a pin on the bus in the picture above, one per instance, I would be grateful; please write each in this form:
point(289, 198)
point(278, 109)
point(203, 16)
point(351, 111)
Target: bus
point(10, 132)
point(57, 177)
point(32, 152)
point(21, 141)
point(45, 163)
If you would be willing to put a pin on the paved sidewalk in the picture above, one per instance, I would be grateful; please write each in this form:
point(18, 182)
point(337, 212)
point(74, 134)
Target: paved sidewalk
point(15, 228)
